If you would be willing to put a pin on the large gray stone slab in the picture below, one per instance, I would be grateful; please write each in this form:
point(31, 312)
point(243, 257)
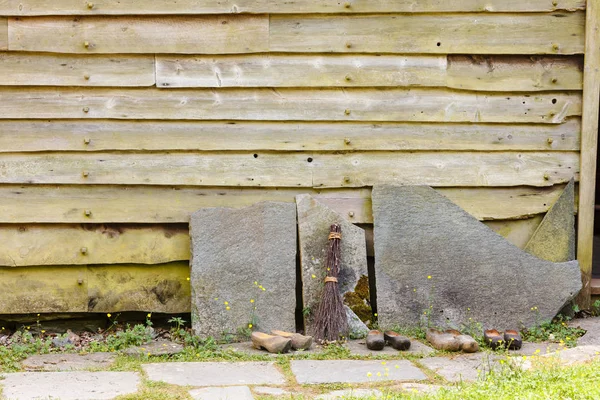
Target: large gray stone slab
point(243, 269)
point(314, 222)
point(351, 394)
point(69, 385)
point(554, 239)
point(592, 327)
point(156, 348)
point(215, 373)
point(432, 255)
point(354, 371)
point(222, 393)
point(67, 362)
point(464, 367)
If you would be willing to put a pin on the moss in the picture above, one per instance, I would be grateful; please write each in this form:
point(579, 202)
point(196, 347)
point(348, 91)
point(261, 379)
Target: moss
point(362, 288)
point(358, 305)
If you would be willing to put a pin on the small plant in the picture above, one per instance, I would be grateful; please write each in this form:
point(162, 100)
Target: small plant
point(556, 331)
point(177, 331)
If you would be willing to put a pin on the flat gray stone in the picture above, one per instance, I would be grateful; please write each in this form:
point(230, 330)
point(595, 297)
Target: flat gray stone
point(222, 393)
point(69, 385)
point(157, 348)
point(577, 354)
point(358, 348)
point(215, 373)
point(354, 371)
point(463, 367)
point(536, 349)
point(554, 239)
point(247, 348)
point(236, 253)
point(68, 362)
point(356, 328)
point(592, 326)
point(270, 391)
point(351, 393)
point(314, 223)
point(476, 275)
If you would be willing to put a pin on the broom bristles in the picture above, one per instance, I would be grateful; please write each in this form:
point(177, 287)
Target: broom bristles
point(330, 319)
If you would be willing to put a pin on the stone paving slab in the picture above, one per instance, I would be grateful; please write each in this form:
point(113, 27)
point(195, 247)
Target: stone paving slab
point(463, 367)
point(351, 393)
point(592, 326)
point(414, 387)
point(215, 373)
point(271, 391)
point(247, 348)
point(358, 347)
point(354, 371)
point(222, 393)
point(157, 348)
point(530, 349)
point(67, 362)
point(69, 385)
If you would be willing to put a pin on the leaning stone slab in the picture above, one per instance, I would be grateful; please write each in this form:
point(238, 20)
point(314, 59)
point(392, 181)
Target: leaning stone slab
point(222, 393)
point(554, 239)
point(314, 222)
point(243, 269)
point(157, 348)
point(354, 371)
point(351, 394)
point(215, 373)
point(68, 362)
point(433, 259)
point(69, 385)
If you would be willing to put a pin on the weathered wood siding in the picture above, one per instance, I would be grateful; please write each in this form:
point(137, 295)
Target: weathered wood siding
point(119, 119)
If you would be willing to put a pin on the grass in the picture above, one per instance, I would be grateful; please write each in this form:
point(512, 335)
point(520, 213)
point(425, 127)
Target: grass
point(151, 390)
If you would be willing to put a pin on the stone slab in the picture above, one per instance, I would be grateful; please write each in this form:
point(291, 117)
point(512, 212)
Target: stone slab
point(351, 394)
point(243, 269)
point(414, 387)
point(464, 367)
point(222, 393)
point(530, 349)
point(157, 348)
point(554, 239)
point(354, 371)
point(67, 362)
point(69, 385)
point(358, 348)
point(592, 326)
point(577, 354)
point(247, 348)
point(270, 391)
point(215, 373)
point(314, 222)
point(431, 253)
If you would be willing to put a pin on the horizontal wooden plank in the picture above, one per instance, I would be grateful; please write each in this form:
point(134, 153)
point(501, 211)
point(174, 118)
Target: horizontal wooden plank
point(135, 7)
point(28, 69)
point(293, 169)
point(3, 33)
point(134, 204)
point(492, 73)
point(543, 33)
point(412, 105)
point(109, 135)
point(163, 288)
point(515, 73)
point(43, 290)
point(218, 34)
point(58, 289)
point(92, 244)
point(444, 169)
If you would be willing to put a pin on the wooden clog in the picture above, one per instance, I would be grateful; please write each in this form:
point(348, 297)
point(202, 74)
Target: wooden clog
point(513, 339)
point(493, 338)
point(273, 344)
point(299, 342)
point(375, 340)
point(396, 340)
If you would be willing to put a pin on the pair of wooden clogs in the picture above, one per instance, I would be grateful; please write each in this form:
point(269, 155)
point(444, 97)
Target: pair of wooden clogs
point(377, 340)
point(451, 340)
point(511, 339)
point(280, 341)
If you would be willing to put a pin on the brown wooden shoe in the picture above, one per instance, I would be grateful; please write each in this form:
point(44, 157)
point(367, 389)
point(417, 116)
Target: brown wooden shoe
point(396, 340)
point(442, 340)
point(272, 344)
point(299, 342)
point(466, 342)
point(375, 340)
point(513, 339)
point(493, 338)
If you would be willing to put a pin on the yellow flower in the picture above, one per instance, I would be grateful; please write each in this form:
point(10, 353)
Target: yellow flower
point(226, 302)
point(228, 308)
point(251, 300)
point(256, 283)
point(43, 331)
point(250, 326)
point(187, 279)
point(38, 315)
point(414, 290)
point(428, 276)
point(375, 314)
point(383, 363)
point(148, 354)
point(369, 374)
point(396, 366)
point(386, 374)
point(149, 315)
point(197, 354)
point(108, 315)
point(379, 374)
point(313, 276)
point(263, 289)
point(537, 351)
point(568, 338)
point(216, 299)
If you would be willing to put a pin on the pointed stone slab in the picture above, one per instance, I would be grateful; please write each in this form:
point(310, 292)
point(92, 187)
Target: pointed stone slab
point(554, 239)
point(476, 275)
point(314, 222)
point(243, 269)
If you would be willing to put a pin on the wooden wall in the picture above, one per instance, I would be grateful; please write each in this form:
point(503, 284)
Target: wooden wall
point(119, 119)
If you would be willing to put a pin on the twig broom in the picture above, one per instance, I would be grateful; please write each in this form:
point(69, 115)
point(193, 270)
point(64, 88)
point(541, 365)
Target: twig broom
point(330, 319)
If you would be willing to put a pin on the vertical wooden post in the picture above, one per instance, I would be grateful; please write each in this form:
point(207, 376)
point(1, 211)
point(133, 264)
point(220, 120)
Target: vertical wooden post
point(589, 143)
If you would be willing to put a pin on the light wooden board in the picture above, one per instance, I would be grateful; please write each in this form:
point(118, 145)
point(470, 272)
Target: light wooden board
point(218, 34)
point(543, 33)
point(25, 69)
point(445, 169)
point(101, 7)
point(413, 105)
point(134, 204)
point(43, 290)
point(589, 140)
point(163, 288)
point(102, 135)
point(293, 169)
point(492, 73)
point(515, 73)
point(92, 244)
point(3, 33)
